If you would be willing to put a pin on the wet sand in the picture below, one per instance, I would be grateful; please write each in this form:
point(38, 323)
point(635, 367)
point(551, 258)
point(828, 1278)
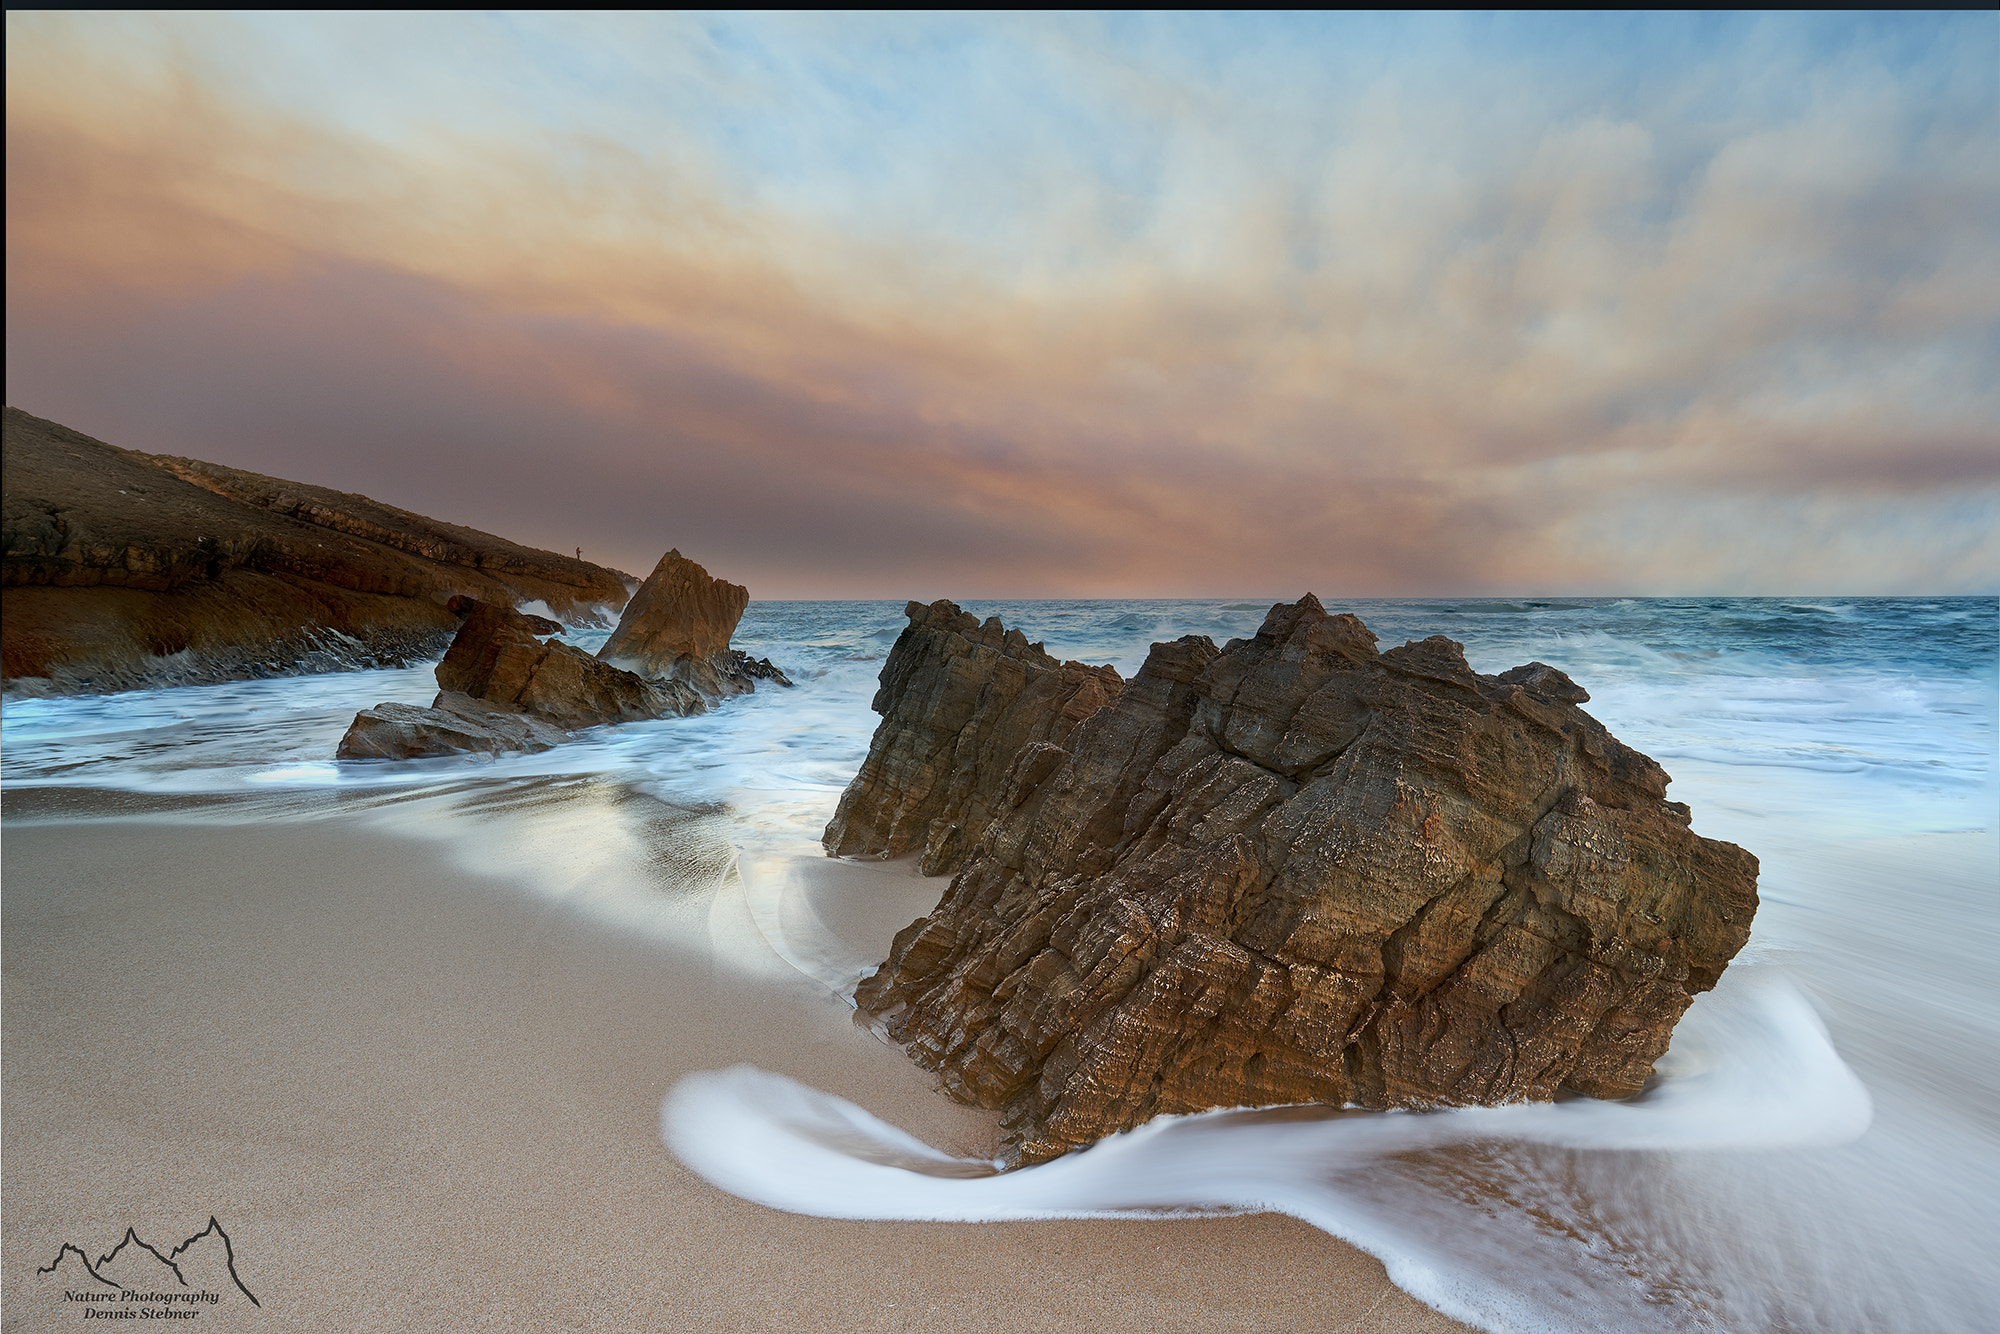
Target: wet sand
point(419, 1098)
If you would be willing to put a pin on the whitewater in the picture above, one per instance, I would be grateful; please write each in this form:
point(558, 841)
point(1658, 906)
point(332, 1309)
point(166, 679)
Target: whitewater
point(1819, 1151)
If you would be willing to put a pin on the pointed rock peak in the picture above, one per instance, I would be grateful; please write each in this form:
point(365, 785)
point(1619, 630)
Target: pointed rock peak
point(1285, 617)
point(948, 741)
point(1538, 678)
point(681, 615)
point(944, 613)
point(1345, 635)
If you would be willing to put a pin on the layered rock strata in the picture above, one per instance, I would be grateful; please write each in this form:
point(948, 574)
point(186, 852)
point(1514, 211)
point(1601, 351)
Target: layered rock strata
point(125, 569)
point(959, 701)
point(677, 628)
point(1294, 870)
point(502, 688)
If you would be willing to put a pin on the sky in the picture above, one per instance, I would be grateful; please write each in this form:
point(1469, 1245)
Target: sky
point(886, 306)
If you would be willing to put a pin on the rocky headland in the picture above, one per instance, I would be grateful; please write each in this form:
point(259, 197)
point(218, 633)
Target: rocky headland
point(1292, 870)
point(503, 687)
point(125, 570)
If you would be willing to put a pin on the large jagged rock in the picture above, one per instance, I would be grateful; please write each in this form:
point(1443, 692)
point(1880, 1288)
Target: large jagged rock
point(1295, 870)
point(497, 659)
point(502, 688)
point(677, 628)
point(127, 570)
point(959, 700)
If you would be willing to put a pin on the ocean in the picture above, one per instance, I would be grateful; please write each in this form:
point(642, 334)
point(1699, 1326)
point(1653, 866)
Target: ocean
point(1819, 1152)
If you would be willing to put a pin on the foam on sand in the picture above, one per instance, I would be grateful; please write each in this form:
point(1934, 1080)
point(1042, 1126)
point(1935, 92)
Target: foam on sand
point(1751, 1069)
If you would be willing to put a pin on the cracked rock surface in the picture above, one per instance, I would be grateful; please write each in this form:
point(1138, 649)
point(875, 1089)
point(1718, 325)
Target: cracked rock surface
point(1293, 870)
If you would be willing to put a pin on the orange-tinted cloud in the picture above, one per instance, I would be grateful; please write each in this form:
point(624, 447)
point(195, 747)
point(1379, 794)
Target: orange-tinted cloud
point(1390, 337)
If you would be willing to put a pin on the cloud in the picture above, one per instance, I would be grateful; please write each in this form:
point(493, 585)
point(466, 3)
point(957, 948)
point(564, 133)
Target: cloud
point(1046, 306)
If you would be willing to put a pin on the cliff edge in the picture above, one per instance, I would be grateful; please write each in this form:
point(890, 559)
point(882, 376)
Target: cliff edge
point(126, 570)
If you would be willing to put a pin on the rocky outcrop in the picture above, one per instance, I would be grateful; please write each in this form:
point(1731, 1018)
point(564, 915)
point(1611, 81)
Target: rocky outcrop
point(579, 593)
point(125, 569)
point(677, 628)
point(959, 700)
point(497, 659)
point(454, 725)
point(504, 689)
point(1294, 870)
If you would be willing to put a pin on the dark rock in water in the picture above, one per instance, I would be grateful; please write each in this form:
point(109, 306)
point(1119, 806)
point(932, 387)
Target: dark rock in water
point(128, 570)
point(455, 725)
point(677, 628)
point(743, 667)
point(462, 606)
point(541, 625)
point(505, 688)
point(1295, 870)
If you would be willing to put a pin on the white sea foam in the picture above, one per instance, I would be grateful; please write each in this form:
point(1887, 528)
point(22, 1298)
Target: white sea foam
point(537, 607)
point(1752, 1070)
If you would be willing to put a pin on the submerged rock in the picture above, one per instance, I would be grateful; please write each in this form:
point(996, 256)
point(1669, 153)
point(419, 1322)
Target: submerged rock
point(1294, 870)
point(744, 668)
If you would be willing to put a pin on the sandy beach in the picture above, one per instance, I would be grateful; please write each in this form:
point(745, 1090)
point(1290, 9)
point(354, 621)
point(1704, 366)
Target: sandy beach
point(422, 1098)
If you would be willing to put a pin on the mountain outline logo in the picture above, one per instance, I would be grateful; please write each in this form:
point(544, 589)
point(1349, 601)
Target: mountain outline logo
point(132, 1238)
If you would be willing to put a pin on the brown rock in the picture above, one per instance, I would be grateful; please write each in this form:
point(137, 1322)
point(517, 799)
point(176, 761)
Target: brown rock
point(1292, 871)
point(453, 726)
point(503, 689)
point(677, 628)
point(959, 702)
point(575, 590)
point(497, 660)
point(125, 569)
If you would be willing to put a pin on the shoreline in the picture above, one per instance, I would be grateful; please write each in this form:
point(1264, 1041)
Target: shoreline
point(418, 1095)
